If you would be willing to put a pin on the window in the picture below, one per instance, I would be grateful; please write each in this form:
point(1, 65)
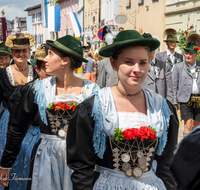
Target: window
point(39, 17)
point(41, 38)
point(140, 2)
point(33, 17)
point(67, 31)
point(155, 1)
point(36, 17)
point(128, 4)
point(65, 8)
point(36, 39)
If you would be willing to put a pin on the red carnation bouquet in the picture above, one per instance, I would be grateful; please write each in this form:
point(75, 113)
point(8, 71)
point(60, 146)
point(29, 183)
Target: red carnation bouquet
point(63, 106)
point(142, 133)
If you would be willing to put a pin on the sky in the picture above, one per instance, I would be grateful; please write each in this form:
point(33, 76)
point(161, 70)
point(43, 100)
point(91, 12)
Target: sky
point(15, 8)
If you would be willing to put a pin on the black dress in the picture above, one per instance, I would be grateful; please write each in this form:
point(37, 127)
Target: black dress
point(81, 155)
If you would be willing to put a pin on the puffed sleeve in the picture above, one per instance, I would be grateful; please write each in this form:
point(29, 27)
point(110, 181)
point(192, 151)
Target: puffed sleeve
point(164, 160)
point(22, 112)
point(80, 152)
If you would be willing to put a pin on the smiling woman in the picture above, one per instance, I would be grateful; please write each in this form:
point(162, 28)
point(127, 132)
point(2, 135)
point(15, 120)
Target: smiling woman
point(104, 116)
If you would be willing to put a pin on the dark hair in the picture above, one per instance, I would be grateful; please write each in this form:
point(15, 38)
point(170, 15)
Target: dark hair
point(75, 64)
point(117, 52)
point(38, 63)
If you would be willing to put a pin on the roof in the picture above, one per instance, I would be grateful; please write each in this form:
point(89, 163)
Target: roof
point(33, 7)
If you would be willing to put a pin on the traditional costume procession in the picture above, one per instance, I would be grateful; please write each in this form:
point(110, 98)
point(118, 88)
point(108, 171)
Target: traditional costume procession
point(61, 132)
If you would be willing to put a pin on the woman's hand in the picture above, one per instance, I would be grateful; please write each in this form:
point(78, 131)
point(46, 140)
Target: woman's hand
point(4, 177)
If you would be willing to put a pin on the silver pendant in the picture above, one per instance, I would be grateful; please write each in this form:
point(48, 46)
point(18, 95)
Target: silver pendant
point(126, 167)
point(129, 173)
point(125, 157)
point(62, 133)
point(140, 154)
point(142, 161)
point(137, 172)
point(65, 121)
point(66, 128)
point(57, 123)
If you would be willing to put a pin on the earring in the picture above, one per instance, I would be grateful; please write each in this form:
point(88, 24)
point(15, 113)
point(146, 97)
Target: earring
point(63, 67)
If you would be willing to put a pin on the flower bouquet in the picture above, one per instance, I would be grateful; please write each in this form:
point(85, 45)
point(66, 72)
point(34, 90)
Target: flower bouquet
point(183, 34)
point(59, 115)
point(133, 150)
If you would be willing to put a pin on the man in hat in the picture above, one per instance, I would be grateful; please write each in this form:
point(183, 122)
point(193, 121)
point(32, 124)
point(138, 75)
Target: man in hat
point(158, 78)
point(170, 56)
point(107, 77)
point(186, 84)
point(5, 55)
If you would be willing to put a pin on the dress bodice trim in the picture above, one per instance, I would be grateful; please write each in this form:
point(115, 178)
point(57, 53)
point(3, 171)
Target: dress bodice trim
point(69, 98)
point(106, 119)
point(11, 78)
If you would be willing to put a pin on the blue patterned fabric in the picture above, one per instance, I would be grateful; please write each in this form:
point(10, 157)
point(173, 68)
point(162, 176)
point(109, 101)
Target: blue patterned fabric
point(21, 165)
point(117, 180)
point(106, 118)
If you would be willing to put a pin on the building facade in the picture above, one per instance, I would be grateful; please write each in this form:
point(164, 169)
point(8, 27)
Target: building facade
point(144, 16)
point(38, 30)
point(181, 14)
point(67, 6)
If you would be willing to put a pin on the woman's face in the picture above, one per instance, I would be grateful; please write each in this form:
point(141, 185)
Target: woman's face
point(132, 66)
point(53, 62)
point(21, 55)
point(41, 71)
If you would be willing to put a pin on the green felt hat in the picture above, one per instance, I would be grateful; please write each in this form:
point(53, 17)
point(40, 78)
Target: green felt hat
point(4, 50)
point(147, 35)
point(190, 48)
point(171, 37)
point(69, 45)
point(129, 38)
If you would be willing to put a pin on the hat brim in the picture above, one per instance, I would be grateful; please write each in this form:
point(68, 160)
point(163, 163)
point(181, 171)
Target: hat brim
point(20, 47)
point(171, 40)
point(73, 55)
point(190, 50)
point(153, 44)
point(4, 53)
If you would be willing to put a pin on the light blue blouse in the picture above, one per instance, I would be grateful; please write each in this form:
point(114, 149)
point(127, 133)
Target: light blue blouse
point(106, 118)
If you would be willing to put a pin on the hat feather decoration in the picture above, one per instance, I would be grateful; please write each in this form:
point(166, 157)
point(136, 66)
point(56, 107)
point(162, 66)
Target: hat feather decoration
point(170, 31)
point(31, 39)
point(194, 39)
point(40, 53)
point(9, 40)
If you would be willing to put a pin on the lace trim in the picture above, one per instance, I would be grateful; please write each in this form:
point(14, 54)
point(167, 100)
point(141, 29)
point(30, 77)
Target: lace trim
point(128, 120)
point(166, 113)
point(11, 78)
point(68, 98)
point(40, 100)
point(99, 135)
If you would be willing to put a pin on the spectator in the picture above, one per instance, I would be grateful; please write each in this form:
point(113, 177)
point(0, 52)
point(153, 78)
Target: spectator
point(90, 68)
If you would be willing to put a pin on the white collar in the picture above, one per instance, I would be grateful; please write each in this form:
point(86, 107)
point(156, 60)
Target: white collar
point(168, 53)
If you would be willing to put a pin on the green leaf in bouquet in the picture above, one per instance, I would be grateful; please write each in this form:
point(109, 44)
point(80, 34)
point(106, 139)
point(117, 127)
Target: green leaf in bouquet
point(50, 106)
point(153, 129)
point(118, 135)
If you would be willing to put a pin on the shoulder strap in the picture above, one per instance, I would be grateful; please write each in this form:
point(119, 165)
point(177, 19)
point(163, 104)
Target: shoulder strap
point(84, 93)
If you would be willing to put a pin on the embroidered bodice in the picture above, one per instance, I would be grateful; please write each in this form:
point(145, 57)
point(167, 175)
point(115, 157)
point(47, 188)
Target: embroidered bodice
point(11, 78)
point(129, 120)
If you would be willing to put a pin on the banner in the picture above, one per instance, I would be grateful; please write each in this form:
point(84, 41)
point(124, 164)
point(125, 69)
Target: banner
point(75, 24)
point(3, 21)
point(44, 10)
point(54, 18)
point(29, 24)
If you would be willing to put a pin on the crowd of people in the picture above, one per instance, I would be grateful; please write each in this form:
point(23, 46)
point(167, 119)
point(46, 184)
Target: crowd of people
point(116, 129)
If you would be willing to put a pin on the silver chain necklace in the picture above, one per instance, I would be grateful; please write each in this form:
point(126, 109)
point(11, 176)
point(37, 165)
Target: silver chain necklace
point(21, 69)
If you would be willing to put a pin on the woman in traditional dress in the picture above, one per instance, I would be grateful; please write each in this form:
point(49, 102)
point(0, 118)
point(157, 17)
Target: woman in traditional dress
point(110, 111)
point(55, 98)
point(18, 73)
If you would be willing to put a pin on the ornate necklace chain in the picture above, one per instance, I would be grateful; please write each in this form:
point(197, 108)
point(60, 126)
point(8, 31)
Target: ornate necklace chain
point(125, 94)
point(21, 69)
